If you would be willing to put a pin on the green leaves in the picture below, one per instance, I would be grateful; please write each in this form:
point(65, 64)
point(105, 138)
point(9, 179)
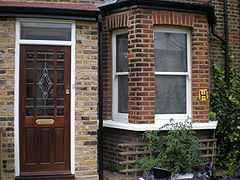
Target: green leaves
point(178, 151)
point(225, 103)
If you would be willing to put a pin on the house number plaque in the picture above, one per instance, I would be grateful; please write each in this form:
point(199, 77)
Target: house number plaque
point(45, 121)
point(203, 94)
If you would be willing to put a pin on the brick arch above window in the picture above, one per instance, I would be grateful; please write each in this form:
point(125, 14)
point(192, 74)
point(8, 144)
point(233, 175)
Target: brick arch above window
point(173, 18)
point(160, 17)
point(117, 21)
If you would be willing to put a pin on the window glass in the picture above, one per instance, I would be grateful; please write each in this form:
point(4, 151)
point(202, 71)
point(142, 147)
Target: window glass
point(45, 31)
point(171, 52)
point(121, 72)
point(171, 83)
point(123, 94)
point(171, 95)
point(122, 53)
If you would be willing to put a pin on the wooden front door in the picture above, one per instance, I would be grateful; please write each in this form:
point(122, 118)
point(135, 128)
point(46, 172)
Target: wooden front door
point(44, 110)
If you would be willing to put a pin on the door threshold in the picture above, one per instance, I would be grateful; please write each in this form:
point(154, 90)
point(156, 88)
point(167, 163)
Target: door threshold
point(67, 176)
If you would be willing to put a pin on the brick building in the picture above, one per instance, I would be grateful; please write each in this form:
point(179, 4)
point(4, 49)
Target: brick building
point(162, 48)
point(49, 81)
point(49, 89)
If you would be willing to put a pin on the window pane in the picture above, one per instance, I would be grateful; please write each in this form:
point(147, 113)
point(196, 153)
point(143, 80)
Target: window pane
point(122, 94)
point(171, 95)
point(122, 53)
point(170, 52)
point(46, 31)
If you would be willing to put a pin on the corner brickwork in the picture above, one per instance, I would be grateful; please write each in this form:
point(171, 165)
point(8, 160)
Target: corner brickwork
point(140, 24)
point(141, 79)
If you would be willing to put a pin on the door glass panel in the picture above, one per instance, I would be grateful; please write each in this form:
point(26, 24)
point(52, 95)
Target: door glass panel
point(60, 76)
point(29, 102)
point(29, 112)
point(42, 64)
point(60, 56)
point(29, 88)
point(59, 65)
point(60, 111)
point(60, 101)
point(44, 83)
point(45, 112)
point(29, 76)
point(29, 55)
point(30, 64)
point(60, 90)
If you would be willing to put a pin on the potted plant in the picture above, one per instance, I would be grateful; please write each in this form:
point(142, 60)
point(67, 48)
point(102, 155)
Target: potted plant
point(178, 151)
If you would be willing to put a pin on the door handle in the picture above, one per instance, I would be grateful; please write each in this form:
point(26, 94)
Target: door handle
point(67, 91)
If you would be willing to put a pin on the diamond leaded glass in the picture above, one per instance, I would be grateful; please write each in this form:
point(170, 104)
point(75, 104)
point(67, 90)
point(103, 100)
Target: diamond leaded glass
point(45, 83)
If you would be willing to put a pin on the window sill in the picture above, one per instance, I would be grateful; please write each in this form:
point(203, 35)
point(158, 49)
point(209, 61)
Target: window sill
point(156, 126)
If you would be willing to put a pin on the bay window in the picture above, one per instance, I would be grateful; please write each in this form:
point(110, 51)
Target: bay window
point(173, 74)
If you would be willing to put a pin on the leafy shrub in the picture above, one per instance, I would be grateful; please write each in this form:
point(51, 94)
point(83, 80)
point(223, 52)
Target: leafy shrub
point(225, 103)
point(177, 152)
point(113, 167)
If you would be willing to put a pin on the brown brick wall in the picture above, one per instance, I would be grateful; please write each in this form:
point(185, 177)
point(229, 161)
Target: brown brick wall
point(217, 53)
point(86, 88)
point(141, 60)
point(123, 148)
point(120, 20)
point(141, 79)
point(200, 68)
point(234, 29)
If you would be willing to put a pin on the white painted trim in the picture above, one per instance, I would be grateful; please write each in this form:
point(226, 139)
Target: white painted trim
point(45, 20)
point(189, 77)
point(16, 101)
point(120, 117)
point(172, 73)
point(156, 126)
point(182, 117)
point(19, 42)
point(46, 42)
point(121, 73)
point(72, 109)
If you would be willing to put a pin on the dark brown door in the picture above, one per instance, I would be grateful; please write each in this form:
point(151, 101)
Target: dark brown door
point(44, 110)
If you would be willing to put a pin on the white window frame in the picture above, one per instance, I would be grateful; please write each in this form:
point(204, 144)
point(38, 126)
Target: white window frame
point(18, 42)
point(179, 117)
point(116, 116)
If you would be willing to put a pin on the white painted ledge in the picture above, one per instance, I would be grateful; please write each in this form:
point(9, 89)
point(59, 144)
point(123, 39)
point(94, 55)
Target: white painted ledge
point(157, 126)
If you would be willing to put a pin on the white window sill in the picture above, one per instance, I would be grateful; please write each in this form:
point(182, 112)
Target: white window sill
point(156, 126)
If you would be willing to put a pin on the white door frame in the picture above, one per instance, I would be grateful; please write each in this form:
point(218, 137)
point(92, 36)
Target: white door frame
point(19, 42)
